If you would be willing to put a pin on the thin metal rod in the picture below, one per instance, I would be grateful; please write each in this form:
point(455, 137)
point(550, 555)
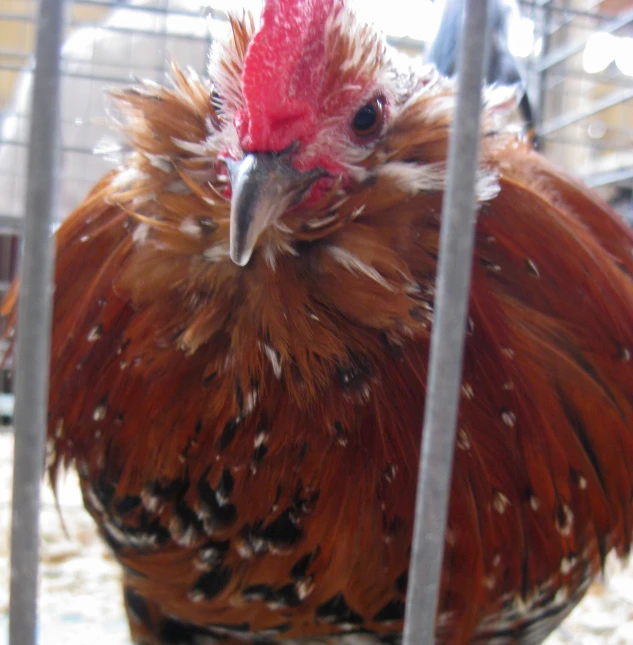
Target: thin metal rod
point(621, 175)
point(565, 120)
point(624, 147)
point(6, 16)
point(447, 341)
point(569, 10)
point(34, 322)
point(557, 79)
point(170, 9)
point(10, 224)
point(541, 75)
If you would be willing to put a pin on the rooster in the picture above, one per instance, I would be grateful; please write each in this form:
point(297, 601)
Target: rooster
point(241, 332)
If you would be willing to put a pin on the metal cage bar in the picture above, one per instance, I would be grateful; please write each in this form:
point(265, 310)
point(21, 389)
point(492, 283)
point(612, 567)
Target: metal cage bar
point(34, 325)
point(449, 329)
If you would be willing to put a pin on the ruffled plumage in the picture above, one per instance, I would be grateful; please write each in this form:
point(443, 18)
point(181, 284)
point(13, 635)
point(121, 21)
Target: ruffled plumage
point(247, 438)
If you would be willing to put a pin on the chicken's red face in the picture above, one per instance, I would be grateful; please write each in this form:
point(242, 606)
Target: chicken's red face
point(306, 99)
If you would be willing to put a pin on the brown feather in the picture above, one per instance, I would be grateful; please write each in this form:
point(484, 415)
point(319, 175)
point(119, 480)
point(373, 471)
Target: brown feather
point(247, 438)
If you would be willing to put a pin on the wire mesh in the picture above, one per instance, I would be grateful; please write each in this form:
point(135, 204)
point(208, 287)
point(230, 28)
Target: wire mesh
point(100, 52)
point(584, 95)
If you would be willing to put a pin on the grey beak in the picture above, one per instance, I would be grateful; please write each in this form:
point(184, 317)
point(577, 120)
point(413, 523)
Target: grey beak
point(263, 186)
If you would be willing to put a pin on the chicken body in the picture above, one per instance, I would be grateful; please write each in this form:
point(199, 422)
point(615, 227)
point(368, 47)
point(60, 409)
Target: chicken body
point(240, 342)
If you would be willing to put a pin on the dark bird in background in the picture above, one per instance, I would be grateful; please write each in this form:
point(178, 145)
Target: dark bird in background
point(502, 69)
point(242, 314)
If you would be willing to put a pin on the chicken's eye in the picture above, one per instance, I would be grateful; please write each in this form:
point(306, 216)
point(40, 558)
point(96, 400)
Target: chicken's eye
point(368, 121)
point(215, 109)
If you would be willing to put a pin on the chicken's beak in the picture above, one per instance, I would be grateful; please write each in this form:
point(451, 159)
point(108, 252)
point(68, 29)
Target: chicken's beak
point(263, 186)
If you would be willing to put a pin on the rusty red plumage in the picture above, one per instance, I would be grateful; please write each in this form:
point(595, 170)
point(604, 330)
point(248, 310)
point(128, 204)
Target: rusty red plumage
point(247, 438)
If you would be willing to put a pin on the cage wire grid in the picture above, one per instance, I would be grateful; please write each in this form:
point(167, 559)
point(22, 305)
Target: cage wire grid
point(583, 121)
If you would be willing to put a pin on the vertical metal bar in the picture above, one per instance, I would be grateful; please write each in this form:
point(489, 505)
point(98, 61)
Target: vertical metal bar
point(539, 74)
point(447, 342)
point(34, 321)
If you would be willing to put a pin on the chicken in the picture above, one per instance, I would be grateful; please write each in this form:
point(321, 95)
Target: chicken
point(240, 342)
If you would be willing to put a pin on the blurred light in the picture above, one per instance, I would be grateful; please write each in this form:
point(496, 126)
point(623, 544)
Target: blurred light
point(235, 6)
point(520, 36)
point(599, 52)
point(402, 18)
point(538, 46)
point(596, 129)
point(624, 56)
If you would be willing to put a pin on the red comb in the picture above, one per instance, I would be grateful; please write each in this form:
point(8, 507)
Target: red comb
point(282, 73)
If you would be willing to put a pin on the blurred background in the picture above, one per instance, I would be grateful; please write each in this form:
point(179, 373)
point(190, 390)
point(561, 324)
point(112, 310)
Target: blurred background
point(574, 58)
